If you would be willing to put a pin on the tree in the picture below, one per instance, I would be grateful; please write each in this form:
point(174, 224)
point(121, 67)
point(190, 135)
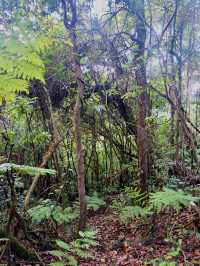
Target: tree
point(143, 140)
point(78, 75)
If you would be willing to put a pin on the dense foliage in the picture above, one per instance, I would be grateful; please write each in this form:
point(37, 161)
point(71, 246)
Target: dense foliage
point(99, 117)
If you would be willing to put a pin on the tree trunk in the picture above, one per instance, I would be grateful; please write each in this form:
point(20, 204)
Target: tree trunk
point(143, 99)
point(70, 20)
point(79, 150)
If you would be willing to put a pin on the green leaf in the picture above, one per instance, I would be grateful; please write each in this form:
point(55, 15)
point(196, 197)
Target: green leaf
point(88, 234)
point(24, 169)
point(63, 245)
point(72, 261)
point(20, 62)
point(95, 202)
point(130, 212)
point(170, 199)
point(57, 253)
point(39, 213)
point(58, 263)
point(63, 216)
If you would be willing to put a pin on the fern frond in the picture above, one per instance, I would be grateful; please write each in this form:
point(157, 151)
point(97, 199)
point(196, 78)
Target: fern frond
point(41, 43)
point(95, 202)
point(6, 63)
point(9, 85)
point(129, 213)
point(33, 59)
point(19, 63)
point(136, 197)
point(28, 71)
point(170, 199)
point(21, 59)
point(25, 169)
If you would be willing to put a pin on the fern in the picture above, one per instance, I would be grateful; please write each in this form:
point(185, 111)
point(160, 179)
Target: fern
point(48, 210)
point(25, 169)
point(118, 204)
point(79, 247)
point(66, 215)
point(170, 199)
point(86, 241)
point(157, 202)
point(94, 202)
point(129, 213)
point(9, 85)
point(39, 213)
point(22, 51)
point(135, 196)
point(19, 63)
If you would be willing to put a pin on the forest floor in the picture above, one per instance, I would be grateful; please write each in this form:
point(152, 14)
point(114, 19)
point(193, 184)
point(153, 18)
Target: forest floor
point(129, 245)
point(140, 242)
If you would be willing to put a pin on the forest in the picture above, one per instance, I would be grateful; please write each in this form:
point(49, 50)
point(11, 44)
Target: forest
point(99, 132)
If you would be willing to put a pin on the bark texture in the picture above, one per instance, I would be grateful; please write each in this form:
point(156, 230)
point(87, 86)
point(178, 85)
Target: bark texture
point(143, 99)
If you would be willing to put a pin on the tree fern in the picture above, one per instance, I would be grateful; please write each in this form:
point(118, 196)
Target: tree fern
point(10, 85)
point(25, 169)
point(21, 61)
